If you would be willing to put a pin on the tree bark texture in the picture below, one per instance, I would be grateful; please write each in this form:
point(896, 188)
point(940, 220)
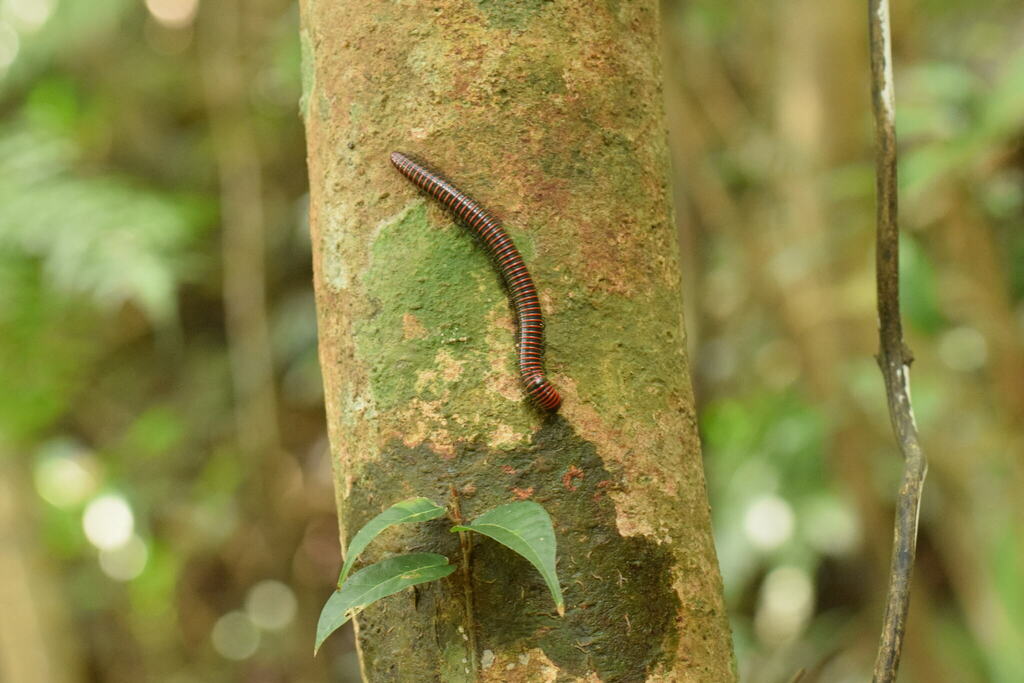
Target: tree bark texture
point(550, 114)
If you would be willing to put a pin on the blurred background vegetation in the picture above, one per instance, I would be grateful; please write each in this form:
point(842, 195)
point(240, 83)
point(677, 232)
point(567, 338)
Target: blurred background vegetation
point(166, 510)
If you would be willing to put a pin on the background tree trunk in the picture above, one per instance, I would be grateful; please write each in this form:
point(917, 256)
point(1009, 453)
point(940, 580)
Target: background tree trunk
point(551, 116)
point(36, 642)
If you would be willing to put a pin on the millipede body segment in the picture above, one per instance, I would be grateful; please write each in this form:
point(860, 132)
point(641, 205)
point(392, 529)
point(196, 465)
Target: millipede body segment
point(530, 334)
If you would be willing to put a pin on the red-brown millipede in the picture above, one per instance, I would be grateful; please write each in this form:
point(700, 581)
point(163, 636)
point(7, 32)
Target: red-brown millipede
point(530, 335)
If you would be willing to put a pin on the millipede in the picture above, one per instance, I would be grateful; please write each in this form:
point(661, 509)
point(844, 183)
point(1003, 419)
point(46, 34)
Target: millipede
point(510, 265)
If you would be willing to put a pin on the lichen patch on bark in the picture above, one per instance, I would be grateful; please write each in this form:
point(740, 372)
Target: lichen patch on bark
point(532, 666)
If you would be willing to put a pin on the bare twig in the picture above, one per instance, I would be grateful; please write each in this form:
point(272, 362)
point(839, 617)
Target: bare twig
point(894, 357)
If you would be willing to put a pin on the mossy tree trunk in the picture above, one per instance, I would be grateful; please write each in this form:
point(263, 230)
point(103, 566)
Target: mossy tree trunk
point(550, 114)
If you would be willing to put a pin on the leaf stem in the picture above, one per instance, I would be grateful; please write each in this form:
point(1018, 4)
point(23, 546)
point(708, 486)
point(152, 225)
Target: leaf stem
point(466, 544)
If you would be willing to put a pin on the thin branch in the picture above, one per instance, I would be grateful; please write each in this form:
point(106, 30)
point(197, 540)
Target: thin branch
point(894, 357)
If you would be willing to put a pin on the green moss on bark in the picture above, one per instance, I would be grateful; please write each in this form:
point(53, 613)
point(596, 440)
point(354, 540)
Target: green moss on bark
point(436, 281)
point(434, 293)
point(627, 336)
point(510, 13)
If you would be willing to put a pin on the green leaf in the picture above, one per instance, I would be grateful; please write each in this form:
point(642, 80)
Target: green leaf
point(406, 512)
point(375, 582)
point(526, 528)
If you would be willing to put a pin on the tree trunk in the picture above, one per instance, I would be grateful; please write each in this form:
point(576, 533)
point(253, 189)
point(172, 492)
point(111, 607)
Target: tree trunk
point(36, 642)
point(550, 114)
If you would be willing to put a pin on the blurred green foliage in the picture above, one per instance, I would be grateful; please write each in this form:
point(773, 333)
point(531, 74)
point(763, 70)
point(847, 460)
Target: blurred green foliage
point(775, 160)
point(160, 542)
point(164, 544)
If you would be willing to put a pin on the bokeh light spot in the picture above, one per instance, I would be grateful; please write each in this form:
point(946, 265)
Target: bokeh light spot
point(235, 637)
point(64, 473)
point(125, 562)
point(173, 13)
point(768, 522)
point(831, 526)
point(785, 605)
point(108, 522)
point(271, 605)
point(963, 348)
point(29, 15)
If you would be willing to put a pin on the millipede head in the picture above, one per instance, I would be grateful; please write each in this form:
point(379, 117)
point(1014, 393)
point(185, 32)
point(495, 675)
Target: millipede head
point(540, 391)
point(397, 158)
